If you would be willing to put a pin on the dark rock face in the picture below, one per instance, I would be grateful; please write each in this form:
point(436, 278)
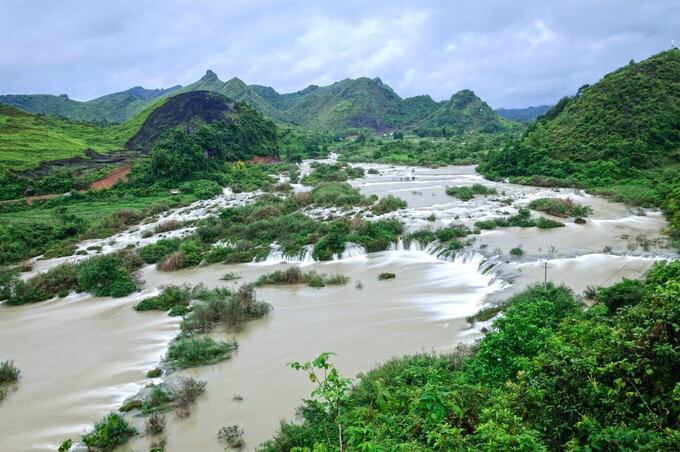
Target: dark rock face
point(185, 108)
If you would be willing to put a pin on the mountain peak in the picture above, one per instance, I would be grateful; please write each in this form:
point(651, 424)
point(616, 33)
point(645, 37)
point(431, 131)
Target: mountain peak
point(209, 75)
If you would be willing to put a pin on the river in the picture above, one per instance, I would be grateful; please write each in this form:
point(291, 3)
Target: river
point(81, 356)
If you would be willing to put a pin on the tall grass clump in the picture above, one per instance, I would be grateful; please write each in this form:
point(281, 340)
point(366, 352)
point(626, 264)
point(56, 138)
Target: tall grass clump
point(9, 373)
point(170, 297)
point(294, 275)
point(199, 351)
point(388, 204)
point(108, 433)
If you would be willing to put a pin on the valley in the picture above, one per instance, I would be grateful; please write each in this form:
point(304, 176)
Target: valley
point(220, 266)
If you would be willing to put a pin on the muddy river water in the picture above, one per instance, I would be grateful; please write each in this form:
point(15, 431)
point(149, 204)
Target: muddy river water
point(81, 356)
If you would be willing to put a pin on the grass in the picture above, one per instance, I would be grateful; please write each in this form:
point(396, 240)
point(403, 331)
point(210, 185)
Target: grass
point(467, 193)
point(28, 140)
point(486, 313)
point(294, 275)
point(199, 351)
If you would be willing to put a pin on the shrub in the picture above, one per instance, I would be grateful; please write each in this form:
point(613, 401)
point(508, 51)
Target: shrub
point(628, 292)
point(203, 189)
point(199, 351)
point(109, 275)
point(155, 424)
point(232, 435)
point(388, 204)
point(546, 223)
point(294, 275)
point(170, 297)
point(384, 276)
point(134, 404)
point(108, 433)
point(167, 226)
point(467, 193)
point(157, 251)
point(517, 251)
point(8, 372)
point(186, 394)
point(560, 207)
point(155, 373)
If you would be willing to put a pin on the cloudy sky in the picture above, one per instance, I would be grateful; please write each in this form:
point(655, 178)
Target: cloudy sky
point(511, 53)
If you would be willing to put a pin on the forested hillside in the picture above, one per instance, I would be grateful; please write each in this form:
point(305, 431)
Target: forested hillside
point(620, 137)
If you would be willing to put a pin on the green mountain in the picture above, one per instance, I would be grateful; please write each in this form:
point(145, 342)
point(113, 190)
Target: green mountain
point(27, 140)
point(344, 105)
point(464, 112)
point(619, 137)
point(632, 115)
point(116, 107)
point(194, 107)
point(523, 114)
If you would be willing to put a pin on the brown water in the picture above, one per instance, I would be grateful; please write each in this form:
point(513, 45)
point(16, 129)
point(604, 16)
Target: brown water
point(82, 356)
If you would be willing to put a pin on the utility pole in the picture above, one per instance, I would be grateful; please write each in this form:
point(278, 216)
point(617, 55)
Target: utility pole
point(545, 277)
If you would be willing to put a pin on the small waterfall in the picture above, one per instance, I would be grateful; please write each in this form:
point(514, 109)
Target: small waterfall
point(277, 256)
point(351, 250)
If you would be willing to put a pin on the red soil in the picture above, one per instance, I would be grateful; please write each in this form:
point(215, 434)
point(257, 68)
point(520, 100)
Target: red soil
point(111, 178)
point(265, 159)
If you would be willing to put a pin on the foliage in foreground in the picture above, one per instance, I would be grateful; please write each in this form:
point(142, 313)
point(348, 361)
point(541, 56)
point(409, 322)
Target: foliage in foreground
point(613, 371)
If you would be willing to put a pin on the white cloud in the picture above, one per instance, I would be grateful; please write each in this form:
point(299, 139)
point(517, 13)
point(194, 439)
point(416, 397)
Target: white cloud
point(509, 53)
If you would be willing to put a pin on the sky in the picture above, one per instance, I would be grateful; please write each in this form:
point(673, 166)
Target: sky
point(512, 53)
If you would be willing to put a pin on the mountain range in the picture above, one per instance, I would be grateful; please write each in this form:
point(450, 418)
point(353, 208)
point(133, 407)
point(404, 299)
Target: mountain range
point(339, 107)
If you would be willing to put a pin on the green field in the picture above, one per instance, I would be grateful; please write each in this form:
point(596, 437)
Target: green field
point(28, 140)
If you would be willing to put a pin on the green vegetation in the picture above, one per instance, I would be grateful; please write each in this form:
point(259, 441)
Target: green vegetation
point(384, 276)
point(199, 351)
point(108, 433)
point(232, 435)
point(613, 373)
point(341, 107)
point(220, 305)
point(560, 207)
point(28, 140)
point(8, 372)
point(178, 395)
point(522, 219)
point(467, 149)
point(170, 297)
point(468, 193)
point(111, 275)
point(388, 204)
point(112, 108)
point(155, 373)
point(340, 172)
point(294, 275)
point(517, 251)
